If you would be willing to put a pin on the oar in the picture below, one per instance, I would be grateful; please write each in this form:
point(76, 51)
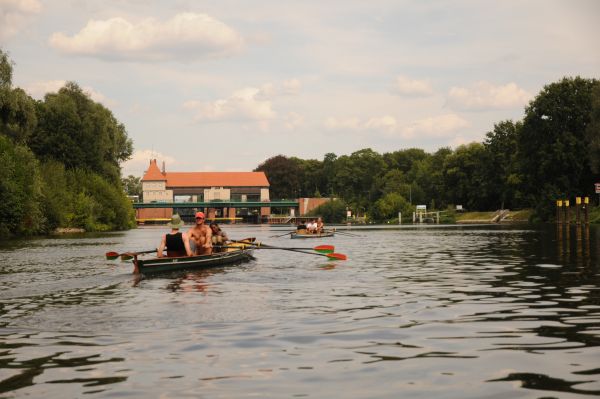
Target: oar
point(347, 234)
point(289, 232)
point(126, 255)
point(322, 248)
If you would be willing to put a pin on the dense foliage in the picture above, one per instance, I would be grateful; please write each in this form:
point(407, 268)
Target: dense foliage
point(59, 161)
point(553, 153)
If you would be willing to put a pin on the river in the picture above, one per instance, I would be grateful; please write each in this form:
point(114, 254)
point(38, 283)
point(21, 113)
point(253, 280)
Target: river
point(415, 312)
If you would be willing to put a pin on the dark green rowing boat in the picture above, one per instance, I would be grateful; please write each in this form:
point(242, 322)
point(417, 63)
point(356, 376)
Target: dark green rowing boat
point(162, 265)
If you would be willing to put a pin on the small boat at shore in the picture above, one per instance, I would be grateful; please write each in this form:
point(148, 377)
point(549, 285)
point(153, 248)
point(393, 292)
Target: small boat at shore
point(296, 234)
point(166, 264)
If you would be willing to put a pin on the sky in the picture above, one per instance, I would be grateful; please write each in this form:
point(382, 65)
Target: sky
point(224, 85)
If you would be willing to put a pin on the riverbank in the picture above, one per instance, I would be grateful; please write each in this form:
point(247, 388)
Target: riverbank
point(503, 216)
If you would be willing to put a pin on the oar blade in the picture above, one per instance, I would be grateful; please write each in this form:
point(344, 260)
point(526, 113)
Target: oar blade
point(126, 256)
point(112, 255)
point(324, 249)
point(335, 256)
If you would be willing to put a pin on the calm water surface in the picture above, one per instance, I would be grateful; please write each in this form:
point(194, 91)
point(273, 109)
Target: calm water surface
point(443, 312)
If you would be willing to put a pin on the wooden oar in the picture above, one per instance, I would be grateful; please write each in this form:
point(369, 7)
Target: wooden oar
point(347, 234)
point(289, 232)
point(322, 248)
point(126, 255)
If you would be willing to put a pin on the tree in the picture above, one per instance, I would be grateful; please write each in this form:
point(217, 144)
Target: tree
point(501, 146)
point(355, 176)
point(283, 175)
point(464, 177)
point(17, 109)
point(20, 190)
point(553, 147)
point(80, 133)
point(388, 207)
point(132, 185)
point(593, 131)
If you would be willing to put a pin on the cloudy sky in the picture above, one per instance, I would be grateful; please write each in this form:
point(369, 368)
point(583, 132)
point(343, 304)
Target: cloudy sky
point(224, 85)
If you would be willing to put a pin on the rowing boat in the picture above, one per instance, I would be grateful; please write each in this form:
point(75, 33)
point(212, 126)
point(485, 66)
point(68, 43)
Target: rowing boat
point(295, 234)
point(166, 264)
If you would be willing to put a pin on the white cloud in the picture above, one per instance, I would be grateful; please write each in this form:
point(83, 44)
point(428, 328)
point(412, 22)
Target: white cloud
point(436, 126)
point(293, 120)
point(14, 14)
point(405, 86)
point(485, 96)
point(140, 160)
point(185, 36)
point(39, 89)
point(291, 86)
point(246, 104)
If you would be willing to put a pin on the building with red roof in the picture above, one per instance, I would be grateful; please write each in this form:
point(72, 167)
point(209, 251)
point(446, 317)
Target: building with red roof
point(160, 186)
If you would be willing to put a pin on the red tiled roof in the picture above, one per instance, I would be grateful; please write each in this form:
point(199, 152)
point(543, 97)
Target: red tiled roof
point(153, 173)
point(216, 179)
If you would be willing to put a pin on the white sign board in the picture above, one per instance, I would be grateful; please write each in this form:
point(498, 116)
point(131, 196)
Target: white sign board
point(597, 188)
point(421, 207)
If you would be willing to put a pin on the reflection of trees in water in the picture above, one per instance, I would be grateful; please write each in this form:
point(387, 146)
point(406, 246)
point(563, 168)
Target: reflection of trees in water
point(553, 271)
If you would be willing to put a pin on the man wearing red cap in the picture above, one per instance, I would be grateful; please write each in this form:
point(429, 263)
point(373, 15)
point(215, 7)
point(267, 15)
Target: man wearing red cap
point(201, 235)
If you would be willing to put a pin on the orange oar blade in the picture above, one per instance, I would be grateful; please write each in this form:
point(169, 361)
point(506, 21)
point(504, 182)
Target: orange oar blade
point(325, 249)
point(112, 255)
point(337, 256)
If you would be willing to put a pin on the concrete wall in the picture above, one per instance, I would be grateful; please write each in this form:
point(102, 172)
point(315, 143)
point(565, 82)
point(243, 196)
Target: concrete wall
point(306, 205)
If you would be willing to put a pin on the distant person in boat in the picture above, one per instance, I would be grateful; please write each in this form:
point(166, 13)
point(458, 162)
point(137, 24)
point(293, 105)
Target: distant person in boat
point(219, 238)
point(301, 228)
point(201, 236)
point(312, 227)
point(176, 243)
point(320, 226)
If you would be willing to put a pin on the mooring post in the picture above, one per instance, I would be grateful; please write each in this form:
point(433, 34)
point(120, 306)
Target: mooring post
point(567, 221)
point(577, 211)
point(559, 204)
point(586, 211)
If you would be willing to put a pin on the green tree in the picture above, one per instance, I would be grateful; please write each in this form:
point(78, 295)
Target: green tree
point(464, 177)
point(132, 185)
point(17, 110)
point(388, 207)
point(283, 174)
point(355, 176)
point(501, 146)
point(553, 147)
point(593, 131)
point(80, 133)
point(20, 191)
point(333, 211)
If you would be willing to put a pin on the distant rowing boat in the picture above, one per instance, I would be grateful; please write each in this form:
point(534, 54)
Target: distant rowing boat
point(295, 234)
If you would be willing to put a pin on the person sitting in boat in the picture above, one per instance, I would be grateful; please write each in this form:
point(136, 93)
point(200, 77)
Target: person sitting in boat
point(311, 227)
point(219, 238)
point(201, 236)
point(320, 226)
point(176, 243)
point(301, 228)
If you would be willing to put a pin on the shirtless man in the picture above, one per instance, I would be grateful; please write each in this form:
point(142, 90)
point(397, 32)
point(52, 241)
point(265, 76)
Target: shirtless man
point(201, 235)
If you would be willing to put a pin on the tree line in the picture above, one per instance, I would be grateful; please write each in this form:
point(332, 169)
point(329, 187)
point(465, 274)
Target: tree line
point(552, 153)
point(59, 161)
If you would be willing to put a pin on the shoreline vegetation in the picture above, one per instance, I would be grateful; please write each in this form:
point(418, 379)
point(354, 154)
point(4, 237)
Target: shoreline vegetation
point(60, 163)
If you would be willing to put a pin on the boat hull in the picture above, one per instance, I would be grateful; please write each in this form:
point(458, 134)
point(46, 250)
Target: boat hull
point(307, 235)
point(164, 265)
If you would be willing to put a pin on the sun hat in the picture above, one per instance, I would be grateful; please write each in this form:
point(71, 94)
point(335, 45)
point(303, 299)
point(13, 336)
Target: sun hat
point(200, 214)
point(176, 222)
